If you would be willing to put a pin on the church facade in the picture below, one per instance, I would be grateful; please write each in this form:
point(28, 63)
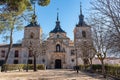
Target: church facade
point(59, 52)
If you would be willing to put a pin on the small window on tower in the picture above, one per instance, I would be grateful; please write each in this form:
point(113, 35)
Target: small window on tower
point(32, 35)
point(84, 34)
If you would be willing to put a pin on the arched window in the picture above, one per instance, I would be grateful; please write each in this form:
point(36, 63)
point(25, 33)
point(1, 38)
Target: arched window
point(32, 35)
point(57, 48)
point(84, 34)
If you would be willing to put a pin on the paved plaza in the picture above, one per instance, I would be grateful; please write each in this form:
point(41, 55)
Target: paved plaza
point(50, 75)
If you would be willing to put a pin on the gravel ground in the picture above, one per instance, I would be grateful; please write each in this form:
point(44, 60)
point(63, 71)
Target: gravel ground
point(50, 75)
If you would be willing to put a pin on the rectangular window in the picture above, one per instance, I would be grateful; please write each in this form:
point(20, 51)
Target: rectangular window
point(29, 61)
point(16, 53)
point(3, 53)
point(15, 61)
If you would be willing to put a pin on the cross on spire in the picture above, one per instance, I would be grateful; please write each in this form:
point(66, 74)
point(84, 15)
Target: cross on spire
point(57, 14)
point(80, 8)
point(81, 18)
point(57, 26)
point(33, 22)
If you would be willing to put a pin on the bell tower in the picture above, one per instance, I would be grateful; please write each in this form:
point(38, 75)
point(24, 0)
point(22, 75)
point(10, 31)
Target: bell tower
point(82, 31)
point(32, 33)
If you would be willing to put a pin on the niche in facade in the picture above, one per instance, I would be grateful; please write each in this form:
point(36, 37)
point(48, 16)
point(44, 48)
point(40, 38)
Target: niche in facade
point(58, 48)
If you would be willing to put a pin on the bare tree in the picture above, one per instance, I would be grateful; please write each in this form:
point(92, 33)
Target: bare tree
point(115, 40)
point(108, 12)
point(37, 49)
point(91, 53)
point(86, 52)
point(102, 44)
point(34, 52)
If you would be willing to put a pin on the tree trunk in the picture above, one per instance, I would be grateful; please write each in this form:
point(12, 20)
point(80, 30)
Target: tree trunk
point(91, 62)
point(10, 46)
point(86, 62)
point(35, 69)
point(27, 63)
point(103, 68)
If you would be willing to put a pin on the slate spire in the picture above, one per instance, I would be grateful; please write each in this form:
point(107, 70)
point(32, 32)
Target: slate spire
point(57, 16)
point(33, 22)
point(81, 22)
point(58, 26)
point(81, 17)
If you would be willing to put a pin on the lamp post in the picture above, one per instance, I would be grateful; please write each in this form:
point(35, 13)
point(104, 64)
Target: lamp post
point(27, 64)
point(77, 67)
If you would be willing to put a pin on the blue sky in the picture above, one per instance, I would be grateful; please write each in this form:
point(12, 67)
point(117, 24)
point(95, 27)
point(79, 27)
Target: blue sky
point(69, 11)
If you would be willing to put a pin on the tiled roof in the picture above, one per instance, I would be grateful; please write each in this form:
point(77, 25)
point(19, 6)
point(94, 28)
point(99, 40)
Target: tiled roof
point(14, 45)
point(33, 22)
point(81, 22)
point(33, 25)
point(57, 28)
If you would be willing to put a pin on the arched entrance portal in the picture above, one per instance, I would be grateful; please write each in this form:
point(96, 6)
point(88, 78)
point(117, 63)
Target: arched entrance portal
point(58, 64)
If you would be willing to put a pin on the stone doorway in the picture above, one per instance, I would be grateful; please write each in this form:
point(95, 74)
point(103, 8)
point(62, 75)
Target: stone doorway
point(58, 64)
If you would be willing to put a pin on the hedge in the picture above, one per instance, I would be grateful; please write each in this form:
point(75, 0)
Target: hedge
point(31, 66)
point(82, 67)
point(19, 67)
point(12, 67)
point(112, 70)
